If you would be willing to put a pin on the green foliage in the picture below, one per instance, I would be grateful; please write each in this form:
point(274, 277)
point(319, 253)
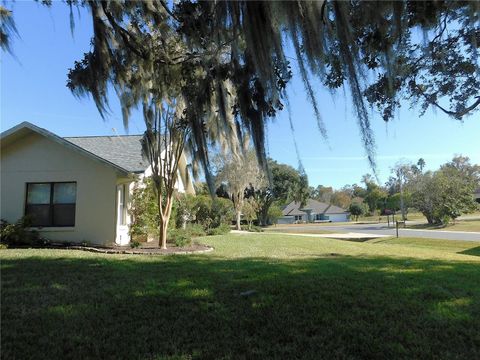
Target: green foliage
point(274, 213)
point(288, 184)
point(231, 97)
point(374, 195)
point(211, 213)
point(183, 211)
point(179, 237)
point(357, 209)
point(393, 202)
point(249, 210)
point(134, 244)
point(444, 195)
point(144, 209)
point(18, 233)
point(222, 229)
point(195, 230)
point(251, 228)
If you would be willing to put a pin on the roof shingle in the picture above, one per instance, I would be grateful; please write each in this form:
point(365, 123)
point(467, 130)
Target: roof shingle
point(124, 151)
point(317, 207)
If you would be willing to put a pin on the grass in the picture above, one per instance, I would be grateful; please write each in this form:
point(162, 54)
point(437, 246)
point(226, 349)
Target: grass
point(314, 298)
point(292, 229)
point(459, 225)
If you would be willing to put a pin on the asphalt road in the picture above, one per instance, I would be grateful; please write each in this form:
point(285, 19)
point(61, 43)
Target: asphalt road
point(382, 229)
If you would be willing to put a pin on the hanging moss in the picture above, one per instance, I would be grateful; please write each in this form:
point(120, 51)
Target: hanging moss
point(227, 61)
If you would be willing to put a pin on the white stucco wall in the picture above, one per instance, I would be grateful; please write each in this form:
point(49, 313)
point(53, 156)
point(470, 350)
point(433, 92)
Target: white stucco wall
point(286, 220)
point(337, 217)
point(35, 158)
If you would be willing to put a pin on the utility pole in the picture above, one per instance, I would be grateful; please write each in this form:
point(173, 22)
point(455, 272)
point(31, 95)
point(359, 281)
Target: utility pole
point(402, 203)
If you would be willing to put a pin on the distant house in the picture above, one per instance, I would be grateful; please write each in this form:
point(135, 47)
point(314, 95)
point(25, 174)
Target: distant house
point(477, 195)
point(313, 211)
point(75, 189)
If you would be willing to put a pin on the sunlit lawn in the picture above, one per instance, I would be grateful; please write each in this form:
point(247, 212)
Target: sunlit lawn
point(313, 298)
point(296, 230)
point(465, 225)
point(459, 225)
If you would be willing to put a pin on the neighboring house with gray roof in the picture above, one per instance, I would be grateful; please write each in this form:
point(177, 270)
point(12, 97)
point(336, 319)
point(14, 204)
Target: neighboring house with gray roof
point(476, 195)
point(312, 211)
point(76, 189)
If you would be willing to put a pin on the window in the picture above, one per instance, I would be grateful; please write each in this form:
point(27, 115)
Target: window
point(51, 204)
point(122, 208)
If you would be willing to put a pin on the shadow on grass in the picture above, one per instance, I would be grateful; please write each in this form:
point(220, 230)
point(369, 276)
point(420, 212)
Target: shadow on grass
point(475, 251)
point(426, 226)
point(182, 307)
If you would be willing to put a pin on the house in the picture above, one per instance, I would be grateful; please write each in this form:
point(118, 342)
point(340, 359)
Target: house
point(477, 195)
point(313, 211)
point(75, 189)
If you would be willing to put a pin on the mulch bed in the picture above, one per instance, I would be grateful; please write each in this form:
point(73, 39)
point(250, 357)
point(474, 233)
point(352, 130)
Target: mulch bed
point(171, 250)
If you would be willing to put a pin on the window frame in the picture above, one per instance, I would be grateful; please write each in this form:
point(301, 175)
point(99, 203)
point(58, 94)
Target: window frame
point(51, 204)
point(121, 205)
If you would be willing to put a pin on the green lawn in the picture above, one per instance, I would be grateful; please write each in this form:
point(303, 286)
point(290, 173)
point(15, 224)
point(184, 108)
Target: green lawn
point(293, 229)
point(314, 298)
point(459, 225)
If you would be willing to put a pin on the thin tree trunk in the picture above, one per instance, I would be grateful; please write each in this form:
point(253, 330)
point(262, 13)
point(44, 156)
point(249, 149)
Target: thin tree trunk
point(164, 221)
point(239, 216)
point(162, 240)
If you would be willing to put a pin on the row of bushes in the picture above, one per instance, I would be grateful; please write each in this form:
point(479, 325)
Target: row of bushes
point(192, 216)
point(184, 237)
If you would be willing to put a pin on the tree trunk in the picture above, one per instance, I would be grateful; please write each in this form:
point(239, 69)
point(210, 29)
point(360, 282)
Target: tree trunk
point(164, 220)
point(429, 217)
point(238, 217)
point(263, 218)
point(162, 240)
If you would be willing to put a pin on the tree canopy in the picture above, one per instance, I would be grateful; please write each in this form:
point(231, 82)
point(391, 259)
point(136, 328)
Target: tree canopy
point(229, 61)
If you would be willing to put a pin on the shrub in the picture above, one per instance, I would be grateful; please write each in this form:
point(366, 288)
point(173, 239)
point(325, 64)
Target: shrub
point(18, 233)
point(179, 237)
point(253, 228)
point(212, 213)
point(195, 230)
point(185, 210)
point(134, 244)
point(274, 213)
point(219, 230)
point(357, 209)
point(144, 209)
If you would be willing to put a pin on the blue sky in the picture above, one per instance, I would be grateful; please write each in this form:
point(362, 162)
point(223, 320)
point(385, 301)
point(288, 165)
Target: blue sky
point(33, 89)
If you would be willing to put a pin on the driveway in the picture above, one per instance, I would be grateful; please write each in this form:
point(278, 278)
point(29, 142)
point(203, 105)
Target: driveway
point(382, 229)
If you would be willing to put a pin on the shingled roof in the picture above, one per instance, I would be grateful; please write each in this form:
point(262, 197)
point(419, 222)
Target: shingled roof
point(124, 151)
point(317, 207)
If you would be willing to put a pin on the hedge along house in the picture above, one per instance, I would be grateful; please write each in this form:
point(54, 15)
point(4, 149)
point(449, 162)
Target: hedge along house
point(312, 211)
point(75, 189)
